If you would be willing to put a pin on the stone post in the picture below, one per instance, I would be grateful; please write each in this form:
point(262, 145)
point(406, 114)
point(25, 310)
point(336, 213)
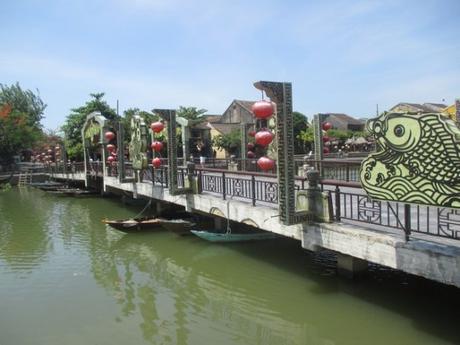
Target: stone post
point(232, 165)
point(457, 110)
point(318, 141)
point(121, 153)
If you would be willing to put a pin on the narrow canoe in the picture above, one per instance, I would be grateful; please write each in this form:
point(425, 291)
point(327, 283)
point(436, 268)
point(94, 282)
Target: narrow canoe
point(233, 237)
point(135, 224)
point(178, 226)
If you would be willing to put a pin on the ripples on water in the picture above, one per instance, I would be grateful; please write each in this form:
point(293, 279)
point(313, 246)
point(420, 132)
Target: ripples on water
point(67, 279)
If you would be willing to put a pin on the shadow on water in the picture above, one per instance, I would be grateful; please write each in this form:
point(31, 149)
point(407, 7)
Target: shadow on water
point(432, 307)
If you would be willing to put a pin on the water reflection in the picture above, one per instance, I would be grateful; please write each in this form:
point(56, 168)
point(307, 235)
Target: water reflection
point(182, 290)
point(175, 295)
point(23, 246)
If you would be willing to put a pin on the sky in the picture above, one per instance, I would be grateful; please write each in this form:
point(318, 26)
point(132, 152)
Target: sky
point(340, 56)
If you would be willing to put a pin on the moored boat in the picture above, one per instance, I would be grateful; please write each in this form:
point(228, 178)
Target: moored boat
point(178, 226)
point(135, 224)
point(215, 236)
point(73, 192)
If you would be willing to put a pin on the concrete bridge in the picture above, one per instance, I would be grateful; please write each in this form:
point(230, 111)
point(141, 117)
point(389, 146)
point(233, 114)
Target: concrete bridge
point(419, 240)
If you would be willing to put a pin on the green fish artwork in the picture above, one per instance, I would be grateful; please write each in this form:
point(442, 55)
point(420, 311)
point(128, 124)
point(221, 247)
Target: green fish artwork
point(417, 159)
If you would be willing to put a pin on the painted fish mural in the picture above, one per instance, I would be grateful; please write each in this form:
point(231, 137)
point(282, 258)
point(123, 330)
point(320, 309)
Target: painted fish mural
point(417, 159)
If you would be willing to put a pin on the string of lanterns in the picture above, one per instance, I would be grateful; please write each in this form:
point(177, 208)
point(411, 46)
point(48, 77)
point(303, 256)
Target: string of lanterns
point(262, 110)
point(156, 145)
point(326, 127)
point(109, 137)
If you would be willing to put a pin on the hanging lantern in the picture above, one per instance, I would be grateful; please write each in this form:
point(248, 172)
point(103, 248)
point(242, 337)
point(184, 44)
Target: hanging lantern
point(252, 133)
point(157, 146)
point(109, 136)
point(157, 127)
point(251, 154)
point(263, 138)
point(326, 139)
point(326, 150)
point(50, 151)
point(251, 146)
point(156, 162)
point(114, 153)
point(327, 126)
point(262, 109)
point(57, 148)
point(265, 163)
point(111, 147)
point(110, 159)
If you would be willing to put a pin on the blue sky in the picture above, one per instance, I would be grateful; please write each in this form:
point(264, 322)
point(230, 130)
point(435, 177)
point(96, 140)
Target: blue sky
point(341, 56)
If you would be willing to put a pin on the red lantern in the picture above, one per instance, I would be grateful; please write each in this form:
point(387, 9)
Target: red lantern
point(109, 136)
point(327, 126)
point(251, 146)
point(110, 159)
point(157, 127)
point(251, 154)
point(156, 162)
point(262, 109)
point(252, 133)
point(111, 147)
point(326, 150)
point(263, 138)
point(265, 163)
point(157, 146)
point(114, 153)
point(326, 139)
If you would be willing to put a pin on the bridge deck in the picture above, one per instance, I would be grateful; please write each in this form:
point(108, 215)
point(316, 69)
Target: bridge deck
point(369, 230)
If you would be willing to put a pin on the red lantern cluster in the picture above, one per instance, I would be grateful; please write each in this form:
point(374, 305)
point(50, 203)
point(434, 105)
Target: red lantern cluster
point(262, 110)
point(109, 136)
point(264, 137)
point(157, 127)
point(327, 126)
point(265, 163)
point(156, 162)
point(156, 145)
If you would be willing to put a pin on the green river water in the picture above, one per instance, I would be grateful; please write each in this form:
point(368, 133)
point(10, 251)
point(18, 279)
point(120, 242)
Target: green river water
point(67, 279)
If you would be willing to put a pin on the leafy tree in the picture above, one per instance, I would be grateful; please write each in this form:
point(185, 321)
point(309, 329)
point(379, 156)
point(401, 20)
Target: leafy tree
point(300, 123)
point(229, 142)
point(75, 121)
point(307, 137)
point(24, 102)
point(20, 115)
point(191, 113)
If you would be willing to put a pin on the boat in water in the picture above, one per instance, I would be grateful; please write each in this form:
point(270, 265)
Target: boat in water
point(180, 227)
point(218, 236)
point(73, 192)
point(133, 225)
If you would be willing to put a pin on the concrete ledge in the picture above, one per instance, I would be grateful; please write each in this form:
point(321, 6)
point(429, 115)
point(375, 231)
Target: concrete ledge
point(440, 262)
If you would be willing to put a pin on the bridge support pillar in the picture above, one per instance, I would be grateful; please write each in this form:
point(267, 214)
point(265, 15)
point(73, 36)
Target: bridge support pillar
point(349, 266)
point(219, 223)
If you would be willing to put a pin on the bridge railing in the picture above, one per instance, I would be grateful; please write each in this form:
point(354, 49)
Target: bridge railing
point(351, 204)
point(253, 186)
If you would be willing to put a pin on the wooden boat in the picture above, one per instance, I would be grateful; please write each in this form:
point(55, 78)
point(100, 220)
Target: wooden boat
point(215, 236)
point(178, 226)
point(48, 186)
point(135, 224)
point(73, 192)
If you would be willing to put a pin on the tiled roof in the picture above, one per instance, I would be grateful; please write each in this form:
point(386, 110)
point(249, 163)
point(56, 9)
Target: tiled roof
point(344, 118)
